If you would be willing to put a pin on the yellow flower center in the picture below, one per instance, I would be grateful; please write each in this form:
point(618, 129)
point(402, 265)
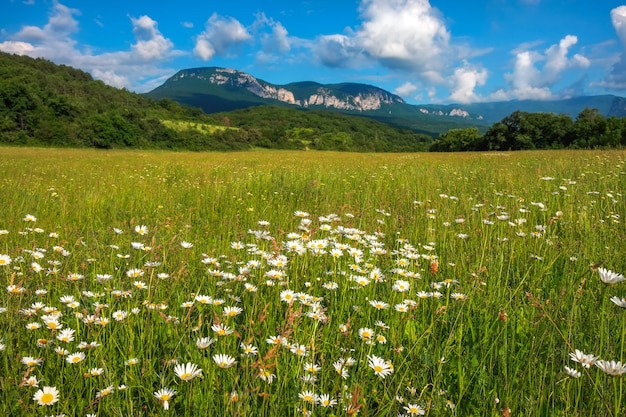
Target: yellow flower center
point(378, 368)
point(47, 398)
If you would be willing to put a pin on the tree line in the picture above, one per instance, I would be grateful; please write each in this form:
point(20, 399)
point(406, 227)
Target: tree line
point(523, 130)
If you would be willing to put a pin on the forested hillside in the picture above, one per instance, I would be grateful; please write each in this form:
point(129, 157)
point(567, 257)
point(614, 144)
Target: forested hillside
point(45, 104)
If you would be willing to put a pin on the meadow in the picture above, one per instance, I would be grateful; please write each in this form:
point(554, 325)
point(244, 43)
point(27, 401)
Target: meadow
point(277, 283)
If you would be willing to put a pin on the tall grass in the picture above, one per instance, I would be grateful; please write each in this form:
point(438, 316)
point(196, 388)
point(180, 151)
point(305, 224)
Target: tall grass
point(500, 254)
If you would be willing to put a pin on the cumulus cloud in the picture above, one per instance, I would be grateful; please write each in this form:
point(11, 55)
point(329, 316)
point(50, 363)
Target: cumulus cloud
point(409, 38)
point(617, 78)
point(465, 80)
point(535, 73)
point(131, 68)
point(403, 34)
point(275, 43)
point(151, 44)
point(221, 35)
point(406, 89)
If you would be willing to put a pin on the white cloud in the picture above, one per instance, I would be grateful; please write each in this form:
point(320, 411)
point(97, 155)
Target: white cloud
point(464, 80)
point(617, 78)
point(535, 73)
point(151, 44)
point(187, 25)
point(130, 68)
point(406, 89)
point(220, 37)
point(403, 34)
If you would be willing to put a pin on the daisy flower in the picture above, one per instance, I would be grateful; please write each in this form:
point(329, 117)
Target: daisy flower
point(5, 260)
point(46, 396)
point(610, 277)
point(621, 302)
point(249, 350)
point(414, 410)
point(66, 335)
point(188, 371)
point(204, 342)
point(572, 372)
point(381, 367)
point(307, 396)
point(224, 361)
point(141, 230)
point(586, 360)
point(611, 367)
point(232, 311)
point(221, 330)
point(325, 400)
point(30, 361)
point(165, 395)
point(75, 357)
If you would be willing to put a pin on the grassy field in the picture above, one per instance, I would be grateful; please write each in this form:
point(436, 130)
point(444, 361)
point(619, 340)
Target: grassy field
point(205, 128)
point(302, 283)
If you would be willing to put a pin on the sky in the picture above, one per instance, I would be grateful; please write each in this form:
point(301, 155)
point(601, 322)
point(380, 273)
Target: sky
point(438, 51)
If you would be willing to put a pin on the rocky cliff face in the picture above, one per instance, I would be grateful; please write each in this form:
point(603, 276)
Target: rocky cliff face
point(370, 98)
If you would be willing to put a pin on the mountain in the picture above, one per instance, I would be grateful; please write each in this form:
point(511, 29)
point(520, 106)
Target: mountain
point(215, 89)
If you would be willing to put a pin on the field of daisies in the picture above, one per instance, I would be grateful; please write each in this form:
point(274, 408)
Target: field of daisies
point(312, 284)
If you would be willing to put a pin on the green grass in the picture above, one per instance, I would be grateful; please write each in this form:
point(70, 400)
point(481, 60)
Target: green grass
point(496, 249)
point(205, 128)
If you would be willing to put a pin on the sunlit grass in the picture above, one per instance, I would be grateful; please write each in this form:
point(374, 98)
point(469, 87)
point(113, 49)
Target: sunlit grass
point(297, 282)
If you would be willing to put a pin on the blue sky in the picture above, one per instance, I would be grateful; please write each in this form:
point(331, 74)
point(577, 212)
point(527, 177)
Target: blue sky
point(425, 51)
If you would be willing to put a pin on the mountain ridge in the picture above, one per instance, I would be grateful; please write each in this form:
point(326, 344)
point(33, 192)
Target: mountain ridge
point(217, 89)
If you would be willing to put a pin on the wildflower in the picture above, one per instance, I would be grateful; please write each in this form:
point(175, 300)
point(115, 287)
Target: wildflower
point(96, 371)
point(232, 311)
point(610, 277)
point(414, 410)
point(120, 315)
point(299, 350)
point(572, 372)
point(131, 361)
point(75, 357)
point(379, 305)
point(66, 335)
point(586, 360)
point(366, 334)
point(188, 371)
point(325, 400)
point(458, 296)
point(104, 392)
point(29, 218)
point(61, 351)
point(249, 350)
point(134, 273)
point(141, 230)
point(204, 342)
point(381, 367)
point(224, 361)
point(30, 361)
point(307, 396)
point(221, 330)
point(5, 260)
point(165, 395)
point(611, 367)
point(266, 375)
point(46, 396)
point(186, 245)
point(619, 301)
point(31, 381)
